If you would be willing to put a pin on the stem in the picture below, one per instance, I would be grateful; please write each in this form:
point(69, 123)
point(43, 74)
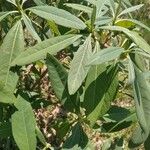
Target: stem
point(117, 11)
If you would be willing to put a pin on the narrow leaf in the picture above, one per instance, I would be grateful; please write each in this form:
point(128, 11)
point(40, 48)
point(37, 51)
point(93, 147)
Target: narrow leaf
point(5, 14)
point(104, 86)
point(59, 16)
point(105, 55)
point(24, 125)
point(78, 68)
point(12, 45)
point(30, 27)
point(130, 9)
point(78, 138)
point(39, 51)
point(58, 76)
point(133, 35)
point(80, 7)
point(142, 101)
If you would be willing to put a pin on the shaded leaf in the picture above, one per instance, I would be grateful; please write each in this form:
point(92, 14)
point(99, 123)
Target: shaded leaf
point(30, 27)
point(5, 14)
point(5, 129)
point(58, 77)
point(40, 136)
point(104, 85)
point(77, 138)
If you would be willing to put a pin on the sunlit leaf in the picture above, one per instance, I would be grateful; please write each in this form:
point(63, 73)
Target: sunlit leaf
point(78, 69)
point(24, 126)
point(59, 16)
point(39, 51)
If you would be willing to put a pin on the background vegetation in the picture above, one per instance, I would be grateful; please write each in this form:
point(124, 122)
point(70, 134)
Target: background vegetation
point(74, 74)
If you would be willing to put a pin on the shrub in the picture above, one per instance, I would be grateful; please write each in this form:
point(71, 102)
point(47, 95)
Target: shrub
point(92, 52)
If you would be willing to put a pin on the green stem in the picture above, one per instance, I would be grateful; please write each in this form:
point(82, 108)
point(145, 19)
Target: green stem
point(117, 12)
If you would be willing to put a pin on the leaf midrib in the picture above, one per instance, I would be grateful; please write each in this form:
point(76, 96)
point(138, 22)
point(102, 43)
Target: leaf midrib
point(10, 59)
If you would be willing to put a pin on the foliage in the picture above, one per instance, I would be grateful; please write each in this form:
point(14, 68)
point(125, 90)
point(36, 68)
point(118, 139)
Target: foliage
point(80, 48)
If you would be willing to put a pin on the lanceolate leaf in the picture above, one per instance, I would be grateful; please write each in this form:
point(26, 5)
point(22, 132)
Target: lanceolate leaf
point(40, 136)
point(133, 35)
point(6, 92)
point(93, 86)
point(105, 55)
point(78, 69)
point(5, 14)
point(12, 45)
point(130, 9)
point(104, 85)
point(131, 22)
point(142, 101)
point(39, 51)
point(80, 7)
point(24, 126)
point(30, 27)
point(78, 137)
point(91, 99)
point(58, 76)
point(99, 6)
point(60, 16)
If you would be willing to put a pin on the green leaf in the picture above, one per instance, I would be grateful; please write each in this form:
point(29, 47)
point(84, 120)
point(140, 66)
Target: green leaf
point(102, 20)
point(103, 85)
point(92, 1)
point(92, 86)
point(99, 7)
point(131, 22)
point(12, 1)
point(78, 137)
point(147, 143)
point(5, 129)
point(78, 69)
point(5, 14)
point(12, 45)
point(131, 75)
point(118, 115)
point(39, 51)
point(58, 76)
point(130, 9)
point(142, 101)
point(59, 16)
point(133, 35)
point(30, 28)
point(80, 7)
point(24, 126)
point(40, 136)
point(39, 2)
point(105, 55)
point(7, 91)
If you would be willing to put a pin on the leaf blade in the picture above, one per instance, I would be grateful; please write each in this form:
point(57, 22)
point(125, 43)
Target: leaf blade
point(59, 16)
